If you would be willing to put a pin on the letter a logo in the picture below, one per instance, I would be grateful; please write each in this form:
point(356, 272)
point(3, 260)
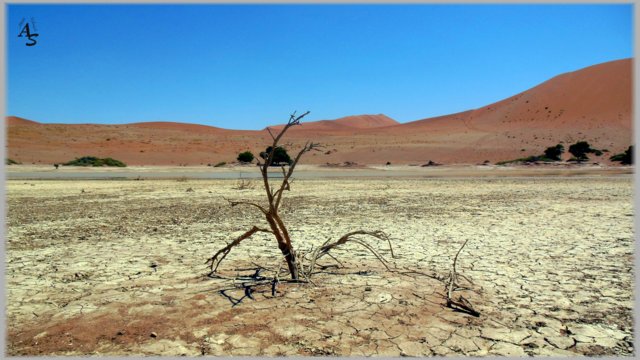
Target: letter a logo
point(29, 35)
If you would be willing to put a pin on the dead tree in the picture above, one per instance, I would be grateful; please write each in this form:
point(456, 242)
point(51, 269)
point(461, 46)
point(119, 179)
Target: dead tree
point(277, 227)
point(242, 184)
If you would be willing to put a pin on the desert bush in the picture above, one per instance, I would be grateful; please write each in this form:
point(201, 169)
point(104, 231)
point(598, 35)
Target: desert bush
point(625, 158)
point(112, 162)
point(83, 161)
point(11, 162)
point(245, 157)
point(526, 160)
point(553, 152)
point(280, 156)
point(95, 161)
point(244, 184)
point(580, 150)
point(221, 163)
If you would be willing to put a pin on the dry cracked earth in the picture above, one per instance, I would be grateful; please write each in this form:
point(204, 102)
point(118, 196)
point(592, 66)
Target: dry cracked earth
point(117, 267)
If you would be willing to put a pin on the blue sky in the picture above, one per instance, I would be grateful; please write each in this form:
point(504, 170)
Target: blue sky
point(248, 66)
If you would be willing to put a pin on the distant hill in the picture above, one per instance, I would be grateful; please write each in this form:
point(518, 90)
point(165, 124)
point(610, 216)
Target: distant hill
point(167, 125)
point(344, 123)
point(18, 121)
point(592, 104)
point(595, 96)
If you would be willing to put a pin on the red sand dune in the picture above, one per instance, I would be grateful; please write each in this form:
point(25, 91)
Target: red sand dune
point(18, 121)
point(343, 124)
point(167, 125)
point(592, 104)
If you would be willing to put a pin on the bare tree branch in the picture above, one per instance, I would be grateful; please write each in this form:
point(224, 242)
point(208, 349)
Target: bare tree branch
point(377, 234)
point(293, 120)
point(327, 246)
point(285, 182)
point(235, 203)
point(367, 246)
point(461, 304)
point(222, 253)
point(270, 133)
point(452, 276)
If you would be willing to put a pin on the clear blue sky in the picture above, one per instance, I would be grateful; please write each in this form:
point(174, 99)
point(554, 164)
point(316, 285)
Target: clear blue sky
point(248, 66)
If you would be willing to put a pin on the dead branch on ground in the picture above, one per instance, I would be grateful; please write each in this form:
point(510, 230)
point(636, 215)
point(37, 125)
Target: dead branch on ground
point(243, 184)
point(327, 246)
point(461, 304)
point(217, 258)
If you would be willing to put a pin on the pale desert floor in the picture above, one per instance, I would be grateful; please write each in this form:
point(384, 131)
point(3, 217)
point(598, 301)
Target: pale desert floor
point(117, 267)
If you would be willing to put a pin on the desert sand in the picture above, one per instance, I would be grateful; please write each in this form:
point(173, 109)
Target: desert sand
point(592, 104)
point(117, 267)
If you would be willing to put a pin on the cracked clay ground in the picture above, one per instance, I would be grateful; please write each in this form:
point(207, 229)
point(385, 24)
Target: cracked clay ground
point(119, 268)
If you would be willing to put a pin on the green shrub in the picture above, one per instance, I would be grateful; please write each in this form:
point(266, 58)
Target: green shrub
point(625, 158)
point(280, 156)
point(95, 161)
point(245, 157)
point(112, 162)
point(11, 162)
point(222, 163)
point(83, 161)
point(580, 150)
point(553, 153)
point(526, 160)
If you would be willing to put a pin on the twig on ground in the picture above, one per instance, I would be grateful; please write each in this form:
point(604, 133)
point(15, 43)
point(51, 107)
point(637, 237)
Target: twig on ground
point(461, 304)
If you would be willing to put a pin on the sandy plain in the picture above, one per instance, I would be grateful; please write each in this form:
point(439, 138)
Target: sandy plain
point(117, 267)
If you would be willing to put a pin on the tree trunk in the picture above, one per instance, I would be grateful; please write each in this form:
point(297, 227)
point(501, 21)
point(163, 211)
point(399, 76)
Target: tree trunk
point(290, 256)
point(284, 245)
